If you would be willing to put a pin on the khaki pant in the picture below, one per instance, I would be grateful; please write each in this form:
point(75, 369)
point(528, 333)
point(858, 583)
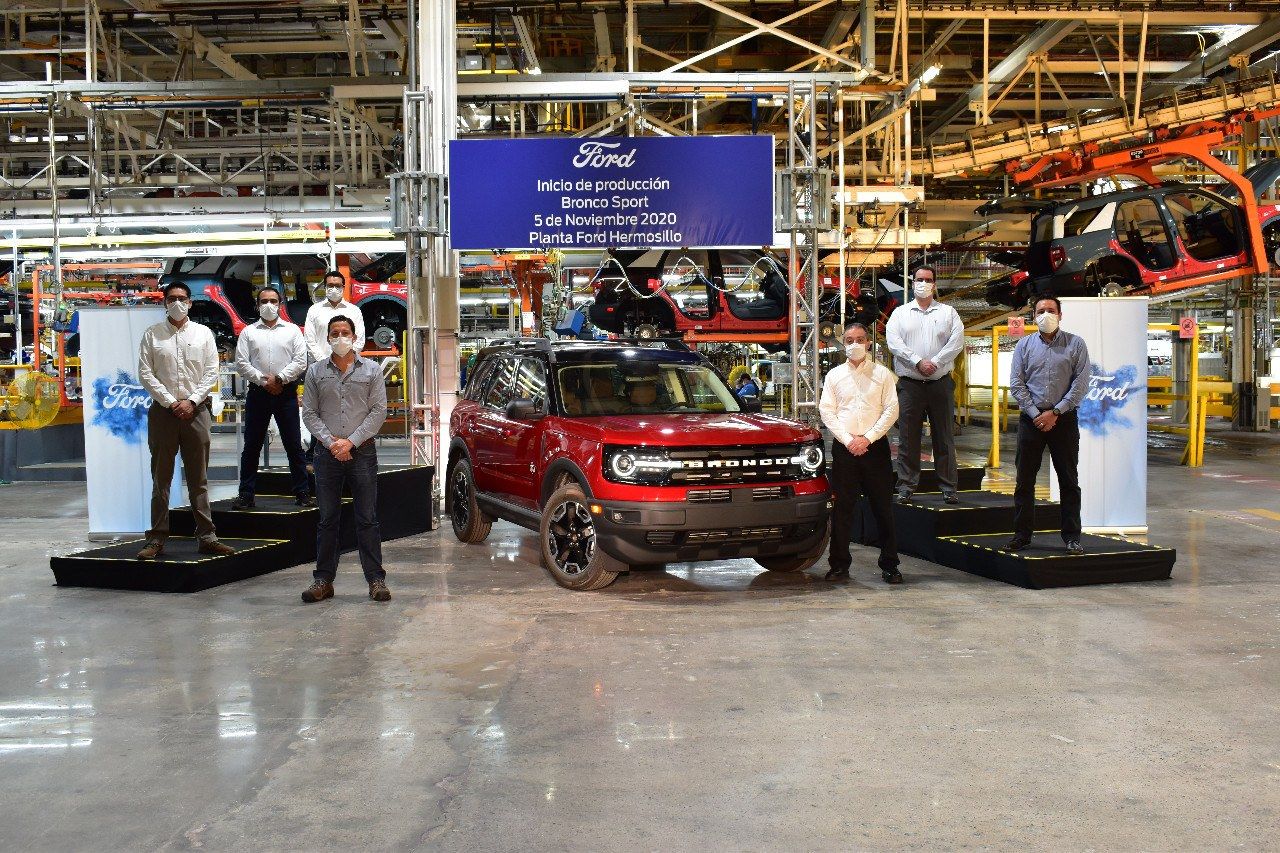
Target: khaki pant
point(167, 435)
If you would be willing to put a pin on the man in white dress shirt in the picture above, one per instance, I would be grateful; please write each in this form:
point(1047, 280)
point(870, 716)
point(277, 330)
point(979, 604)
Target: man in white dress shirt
point(319, 315)
point(859, 405)
point(925, 337)
point(271, 356)
point(178, 366)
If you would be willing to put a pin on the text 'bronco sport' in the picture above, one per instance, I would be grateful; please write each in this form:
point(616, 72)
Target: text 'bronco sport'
point(624, 455)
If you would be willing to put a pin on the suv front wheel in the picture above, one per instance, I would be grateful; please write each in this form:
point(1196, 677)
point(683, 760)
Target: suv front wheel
point(567, 535)
point(470, 523)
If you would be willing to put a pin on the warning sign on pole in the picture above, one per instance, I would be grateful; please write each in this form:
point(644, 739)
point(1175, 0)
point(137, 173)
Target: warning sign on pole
point(1187, 328)
point(1017, 327)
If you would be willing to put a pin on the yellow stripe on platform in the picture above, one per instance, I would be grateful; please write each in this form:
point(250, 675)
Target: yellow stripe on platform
point(1264, 513)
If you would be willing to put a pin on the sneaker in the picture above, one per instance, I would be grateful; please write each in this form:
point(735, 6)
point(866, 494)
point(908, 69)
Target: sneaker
point(1074, 548)
point(902, 497)
point(378, 591)
point(213, 546)
point(307, 500)
point(892, 576)
point(1017, 543)
point(318, 591)
point(950, 498)
point(154, 548)
point(242, 502)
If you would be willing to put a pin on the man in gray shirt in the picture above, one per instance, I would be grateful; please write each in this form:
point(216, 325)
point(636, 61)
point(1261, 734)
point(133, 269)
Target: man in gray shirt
point(344, 403)
point(1048, 376)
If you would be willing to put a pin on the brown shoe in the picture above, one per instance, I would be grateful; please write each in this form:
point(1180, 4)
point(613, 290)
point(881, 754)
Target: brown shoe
point(318, 591)
point(216, 548)
point(378, 591)
point(154, 548)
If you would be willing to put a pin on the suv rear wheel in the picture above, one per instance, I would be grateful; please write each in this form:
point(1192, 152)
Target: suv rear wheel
point(797, 562)
point(470, 523)
point(567, 535)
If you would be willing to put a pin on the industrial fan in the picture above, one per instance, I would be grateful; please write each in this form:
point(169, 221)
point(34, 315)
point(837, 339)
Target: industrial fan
point(30, 402)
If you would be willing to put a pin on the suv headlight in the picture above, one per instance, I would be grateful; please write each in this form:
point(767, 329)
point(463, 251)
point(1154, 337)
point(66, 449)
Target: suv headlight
point(641, 465)
point(623, 465)
point(811, 458)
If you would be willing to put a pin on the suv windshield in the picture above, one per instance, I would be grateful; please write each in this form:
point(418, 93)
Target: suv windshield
point(643, 388)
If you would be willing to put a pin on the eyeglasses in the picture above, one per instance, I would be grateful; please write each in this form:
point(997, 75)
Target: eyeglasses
point(176, 298)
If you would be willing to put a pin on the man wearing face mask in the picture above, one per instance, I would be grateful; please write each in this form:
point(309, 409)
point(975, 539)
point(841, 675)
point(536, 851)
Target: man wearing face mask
point(925, 337)
point(1048, 376)
point(319, 315)
point(344, 403)
point(859, 405)
point(178, 367)
point(271, 356)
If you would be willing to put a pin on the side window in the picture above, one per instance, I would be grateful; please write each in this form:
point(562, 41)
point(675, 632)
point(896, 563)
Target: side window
point(685, 273)
point(476, 384)
point(531, 383)
point(300, 275)
point(1140, 231)
point(1207, 227)
point(1078, 221)
point(498, 394)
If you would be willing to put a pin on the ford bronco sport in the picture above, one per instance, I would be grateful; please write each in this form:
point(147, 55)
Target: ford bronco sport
point(625, 455)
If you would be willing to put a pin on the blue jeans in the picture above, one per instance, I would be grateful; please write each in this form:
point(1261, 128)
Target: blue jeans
point(259, 408)
point(361, 475)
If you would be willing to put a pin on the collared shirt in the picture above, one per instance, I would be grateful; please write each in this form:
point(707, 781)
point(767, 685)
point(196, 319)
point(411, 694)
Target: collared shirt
point(1044, 375)
point(178, 363)
point(860, 400)
point(277, 350)
point(351, 405)
point(916, 334)
point(318, 317)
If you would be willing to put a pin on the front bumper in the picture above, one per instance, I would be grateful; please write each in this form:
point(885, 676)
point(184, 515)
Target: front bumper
point(682, 531)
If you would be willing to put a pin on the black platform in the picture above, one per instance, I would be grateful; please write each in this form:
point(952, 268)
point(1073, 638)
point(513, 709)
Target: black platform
point(926, 516)
point(276, 534)
point(967, 478)
point(181, 568)
point(1047, 564)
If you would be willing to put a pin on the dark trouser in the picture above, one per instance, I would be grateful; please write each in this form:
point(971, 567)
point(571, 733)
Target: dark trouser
point(260, 407)
point(870, 474)
point(167, 435)
point(917, 399)
point(1063, 442)
point(361, 474)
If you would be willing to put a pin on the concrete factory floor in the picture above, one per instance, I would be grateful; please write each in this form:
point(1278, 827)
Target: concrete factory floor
point(708, 708)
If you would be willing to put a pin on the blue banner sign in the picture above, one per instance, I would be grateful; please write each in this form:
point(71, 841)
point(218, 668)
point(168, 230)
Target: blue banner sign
point(611, 192)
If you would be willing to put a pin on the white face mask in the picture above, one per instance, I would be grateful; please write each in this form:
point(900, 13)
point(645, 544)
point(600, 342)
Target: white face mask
point(922, 289)
point(269, 311)
point(856, 352)
point(341, 345)
point(333, 294)
point(177, 310)
point(1047, 323)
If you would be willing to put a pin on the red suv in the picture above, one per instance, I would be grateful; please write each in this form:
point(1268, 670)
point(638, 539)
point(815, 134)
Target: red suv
point(624, 455)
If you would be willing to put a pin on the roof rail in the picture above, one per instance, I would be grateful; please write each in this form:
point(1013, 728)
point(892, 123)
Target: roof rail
point(674, 342)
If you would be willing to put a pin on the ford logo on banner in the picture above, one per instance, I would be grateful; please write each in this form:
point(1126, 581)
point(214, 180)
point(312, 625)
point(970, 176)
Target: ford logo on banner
point(1103, 406)
point(120, 405)
point(641, 192)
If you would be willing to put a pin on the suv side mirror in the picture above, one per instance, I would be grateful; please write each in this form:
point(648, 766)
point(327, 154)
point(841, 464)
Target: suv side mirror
point(524, 410)
point(750, 403)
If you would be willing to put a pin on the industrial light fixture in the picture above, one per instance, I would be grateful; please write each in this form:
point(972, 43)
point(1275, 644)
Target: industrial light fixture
point(930, 74)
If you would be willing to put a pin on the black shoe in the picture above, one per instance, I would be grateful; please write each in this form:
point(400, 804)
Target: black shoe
point(902, 497)
point(950, 498)
point(318, 591)
point(378, 591)
point(1017, 543)
point(892, 576)
point(837, 575)
point(1074, 548)
point(242, 502)
point(307, 500)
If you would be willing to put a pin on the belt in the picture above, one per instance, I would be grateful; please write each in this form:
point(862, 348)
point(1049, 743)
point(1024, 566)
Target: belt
point(924, 381)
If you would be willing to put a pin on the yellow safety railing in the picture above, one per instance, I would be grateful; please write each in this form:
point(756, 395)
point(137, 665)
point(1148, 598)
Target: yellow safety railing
point(1196, 398)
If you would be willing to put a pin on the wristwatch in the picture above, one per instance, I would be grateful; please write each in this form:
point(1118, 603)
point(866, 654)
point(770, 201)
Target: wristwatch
point(1057, 411)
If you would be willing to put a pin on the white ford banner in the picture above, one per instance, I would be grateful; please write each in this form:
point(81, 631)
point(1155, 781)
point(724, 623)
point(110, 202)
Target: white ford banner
point(1113, 415)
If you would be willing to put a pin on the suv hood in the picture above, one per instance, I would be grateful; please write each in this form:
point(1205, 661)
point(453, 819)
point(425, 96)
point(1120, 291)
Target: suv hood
point(696, 430)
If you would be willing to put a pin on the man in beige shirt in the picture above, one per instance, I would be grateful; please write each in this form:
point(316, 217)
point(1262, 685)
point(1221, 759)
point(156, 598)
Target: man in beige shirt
point(859, 405)
point(178, 366)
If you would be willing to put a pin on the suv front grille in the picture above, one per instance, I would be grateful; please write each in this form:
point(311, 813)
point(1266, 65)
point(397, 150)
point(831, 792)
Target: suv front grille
point(741, 534)
point(709, 496)
point(770, 493)
point(736, 464)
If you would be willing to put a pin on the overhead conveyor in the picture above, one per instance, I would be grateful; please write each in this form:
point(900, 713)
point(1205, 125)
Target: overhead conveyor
point(1237, 101)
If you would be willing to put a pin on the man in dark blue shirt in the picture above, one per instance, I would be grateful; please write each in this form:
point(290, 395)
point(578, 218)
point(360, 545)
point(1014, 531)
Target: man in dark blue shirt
point(1049, 376)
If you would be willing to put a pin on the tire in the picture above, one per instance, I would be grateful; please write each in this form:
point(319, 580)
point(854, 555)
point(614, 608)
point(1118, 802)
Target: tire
point(470, 523)
point(797, 562)
point(646, 332)
point(1112, 283)
point(567, 537)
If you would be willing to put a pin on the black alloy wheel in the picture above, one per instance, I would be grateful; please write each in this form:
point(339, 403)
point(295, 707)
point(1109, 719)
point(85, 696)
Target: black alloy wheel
point(570, 550)
point(470, 523)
